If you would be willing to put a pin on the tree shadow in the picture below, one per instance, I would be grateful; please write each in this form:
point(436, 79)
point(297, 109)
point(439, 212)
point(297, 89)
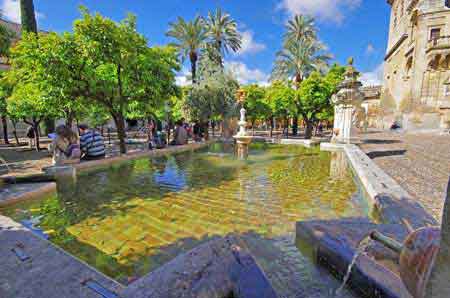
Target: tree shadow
point(381, 141)
point(386, 153)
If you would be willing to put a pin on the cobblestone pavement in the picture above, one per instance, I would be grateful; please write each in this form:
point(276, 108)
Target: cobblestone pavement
point(419, 162)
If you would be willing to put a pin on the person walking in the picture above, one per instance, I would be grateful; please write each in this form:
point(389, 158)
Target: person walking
point(65, 147)
point(91, 143)
point(30, 136)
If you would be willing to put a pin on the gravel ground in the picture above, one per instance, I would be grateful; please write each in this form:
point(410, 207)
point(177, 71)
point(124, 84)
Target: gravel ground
point(419, 162)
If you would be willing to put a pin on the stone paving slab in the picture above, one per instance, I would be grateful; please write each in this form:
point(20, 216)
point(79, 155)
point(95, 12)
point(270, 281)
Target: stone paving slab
point(419, 162)
point(48, 272)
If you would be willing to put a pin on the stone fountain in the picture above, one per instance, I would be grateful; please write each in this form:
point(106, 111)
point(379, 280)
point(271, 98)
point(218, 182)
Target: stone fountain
point(242, 138)
point(424, 257)
point(347, 103)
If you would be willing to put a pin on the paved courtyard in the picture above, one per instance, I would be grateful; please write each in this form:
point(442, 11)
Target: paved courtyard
point(420, 163)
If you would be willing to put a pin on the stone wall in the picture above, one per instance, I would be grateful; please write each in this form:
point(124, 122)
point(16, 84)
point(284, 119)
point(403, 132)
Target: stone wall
point(417, 62)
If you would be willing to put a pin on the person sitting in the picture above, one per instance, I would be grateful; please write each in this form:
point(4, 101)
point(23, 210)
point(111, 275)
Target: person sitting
point(91, 143)
point(65, 146)
point(180, 136)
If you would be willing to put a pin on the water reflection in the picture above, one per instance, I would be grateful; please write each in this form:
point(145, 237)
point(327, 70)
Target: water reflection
point(133, 217)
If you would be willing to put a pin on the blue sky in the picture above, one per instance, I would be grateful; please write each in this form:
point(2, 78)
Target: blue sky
point(355, 28)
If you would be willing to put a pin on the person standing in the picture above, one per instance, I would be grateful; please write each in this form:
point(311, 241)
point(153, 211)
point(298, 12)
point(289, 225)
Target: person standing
point(91, 143)
point(180, 136)
point(30, 136)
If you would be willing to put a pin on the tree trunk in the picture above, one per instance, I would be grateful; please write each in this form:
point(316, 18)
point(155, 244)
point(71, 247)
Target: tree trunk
point(271, 126)
point(119, 120)
point(206, 130)
point(193, 58)
point(295, 126)
point(213, 126)
point(5, 129)
point(69, 120)
point(309, 125)
point(286, 127)
point(28, 16)
point(14, 123)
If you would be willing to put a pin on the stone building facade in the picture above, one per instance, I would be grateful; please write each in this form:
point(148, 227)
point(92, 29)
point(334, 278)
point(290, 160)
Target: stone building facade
point(417, 63)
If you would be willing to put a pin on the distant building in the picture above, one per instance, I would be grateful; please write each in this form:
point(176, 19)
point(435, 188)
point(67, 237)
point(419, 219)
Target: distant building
point(16, 28)
point(417, 64)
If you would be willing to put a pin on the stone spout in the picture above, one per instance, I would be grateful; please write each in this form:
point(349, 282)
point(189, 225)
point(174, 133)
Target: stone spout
point(424, 257)
point(387, 241)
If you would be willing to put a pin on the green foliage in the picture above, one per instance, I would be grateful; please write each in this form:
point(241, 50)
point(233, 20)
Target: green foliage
point(255, 103)
point(313, 97)
point(280, 99)
point(28, 16)
point(222, 33)
point(30, 103)
point(214, 93)
point(301, 54)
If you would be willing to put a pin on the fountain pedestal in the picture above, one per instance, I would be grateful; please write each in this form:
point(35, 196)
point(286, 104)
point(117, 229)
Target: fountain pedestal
point(347, 103)
point(243, 140)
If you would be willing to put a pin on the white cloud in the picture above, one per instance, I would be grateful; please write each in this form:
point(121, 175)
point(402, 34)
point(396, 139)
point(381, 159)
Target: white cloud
point(10, 9)
point(370, 49)
point(245, 75)
point(374, 77)
point(183, 78)
point(323, 10)
point(249, 45)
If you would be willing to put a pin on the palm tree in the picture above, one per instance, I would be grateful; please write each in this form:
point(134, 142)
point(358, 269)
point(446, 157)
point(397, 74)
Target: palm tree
point(190, 39)
point(301, 27)
point(297, 60)
point(222, 33)
point(301, 54)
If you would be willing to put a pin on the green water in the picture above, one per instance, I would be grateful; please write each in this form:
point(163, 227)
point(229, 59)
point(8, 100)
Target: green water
point(131, 218)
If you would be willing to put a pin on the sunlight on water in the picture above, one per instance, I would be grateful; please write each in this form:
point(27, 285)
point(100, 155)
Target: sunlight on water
point(131, 218)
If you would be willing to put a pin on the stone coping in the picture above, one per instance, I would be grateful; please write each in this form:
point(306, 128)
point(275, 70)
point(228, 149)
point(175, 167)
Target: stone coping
point(88, 165)
point(391, 202)
point(25, 191)
point(302, 142)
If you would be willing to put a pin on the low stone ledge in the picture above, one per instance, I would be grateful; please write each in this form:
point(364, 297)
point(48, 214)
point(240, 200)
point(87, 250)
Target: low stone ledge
point(220, 268)
point(332, 147)
point(302, 142)
point(151, 153)
point(332, 244)
point(13, 193)
point(392, 203)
